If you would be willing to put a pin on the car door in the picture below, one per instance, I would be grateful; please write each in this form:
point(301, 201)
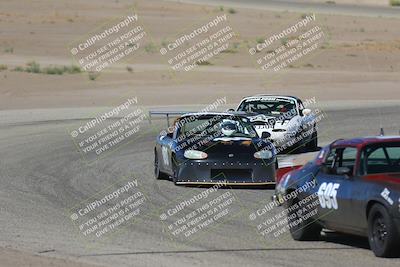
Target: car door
point(334, 188)
point(374, 159)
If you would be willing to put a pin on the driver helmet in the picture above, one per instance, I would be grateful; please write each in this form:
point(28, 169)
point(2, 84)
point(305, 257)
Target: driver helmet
point(228, 127)
point(282, 109)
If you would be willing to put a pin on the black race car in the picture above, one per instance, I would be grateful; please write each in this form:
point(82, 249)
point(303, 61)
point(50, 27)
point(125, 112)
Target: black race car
point(209, 148)
point(353, 186)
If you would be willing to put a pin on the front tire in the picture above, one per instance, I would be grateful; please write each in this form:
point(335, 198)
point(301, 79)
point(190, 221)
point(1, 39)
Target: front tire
point(175, 170)
point(157, 173)
point(313, 143)
point(302, 230)
point(382, 233)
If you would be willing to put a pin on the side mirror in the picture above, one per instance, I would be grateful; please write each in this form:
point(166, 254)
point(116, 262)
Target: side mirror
point(307, 112)
point(230, 110)
point(164, 134)
point(343, 171)
point(265, 135)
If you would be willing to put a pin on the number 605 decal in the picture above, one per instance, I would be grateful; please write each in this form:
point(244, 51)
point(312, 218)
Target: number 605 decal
point(327, 195)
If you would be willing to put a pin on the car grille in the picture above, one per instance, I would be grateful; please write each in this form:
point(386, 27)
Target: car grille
point(231, 174)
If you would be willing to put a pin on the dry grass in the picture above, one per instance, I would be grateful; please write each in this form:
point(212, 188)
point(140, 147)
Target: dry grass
point(394, 2)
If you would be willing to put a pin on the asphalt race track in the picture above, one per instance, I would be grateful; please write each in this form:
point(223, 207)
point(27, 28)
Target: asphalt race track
point(42, 176)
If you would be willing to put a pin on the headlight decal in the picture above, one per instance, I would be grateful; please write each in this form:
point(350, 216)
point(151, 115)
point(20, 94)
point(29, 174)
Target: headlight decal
point(195, 154)
point(263, 154)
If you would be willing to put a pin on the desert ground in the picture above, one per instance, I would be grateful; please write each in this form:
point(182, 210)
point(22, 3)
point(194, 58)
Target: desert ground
point(353, 75)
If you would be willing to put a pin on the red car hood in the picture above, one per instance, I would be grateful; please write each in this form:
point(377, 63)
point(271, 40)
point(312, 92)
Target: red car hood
point(282, 171)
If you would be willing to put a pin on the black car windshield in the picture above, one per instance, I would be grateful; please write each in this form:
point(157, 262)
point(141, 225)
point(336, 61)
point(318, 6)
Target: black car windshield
point(381, 158)
point(269, 105)
point(218, 126)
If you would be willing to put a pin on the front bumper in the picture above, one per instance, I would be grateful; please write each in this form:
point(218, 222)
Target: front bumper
point(279, 194)
point(204, 172)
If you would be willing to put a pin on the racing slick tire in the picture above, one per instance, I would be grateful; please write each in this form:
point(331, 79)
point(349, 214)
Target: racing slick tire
point(157, 173)
point(312, 145)
point(175, 170)
point(302, 229)
point(382, 233)
point(174, 176)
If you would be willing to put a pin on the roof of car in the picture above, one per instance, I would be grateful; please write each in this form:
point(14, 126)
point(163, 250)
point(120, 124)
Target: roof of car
point(362, 141)
point(272, 95)
point(198, 114)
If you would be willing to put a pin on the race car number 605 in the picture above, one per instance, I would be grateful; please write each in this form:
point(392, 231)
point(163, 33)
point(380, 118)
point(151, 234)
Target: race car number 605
point(327, 195)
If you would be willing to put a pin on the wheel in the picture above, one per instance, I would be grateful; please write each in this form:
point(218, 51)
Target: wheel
point(157, 173)
point(382, 233)
point(302, 229)
point(312, 145)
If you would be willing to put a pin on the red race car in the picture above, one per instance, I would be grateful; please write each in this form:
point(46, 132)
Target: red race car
point(352, 186)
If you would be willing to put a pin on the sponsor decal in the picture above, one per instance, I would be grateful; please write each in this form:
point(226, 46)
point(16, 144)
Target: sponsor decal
point(385, 194)
point(268, 98)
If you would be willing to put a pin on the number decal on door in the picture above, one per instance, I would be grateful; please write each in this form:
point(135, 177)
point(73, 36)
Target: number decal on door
point(164, 152)
point(327, 195)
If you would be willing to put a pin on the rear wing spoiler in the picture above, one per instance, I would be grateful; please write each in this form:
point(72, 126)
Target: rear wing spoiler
point(168, 114)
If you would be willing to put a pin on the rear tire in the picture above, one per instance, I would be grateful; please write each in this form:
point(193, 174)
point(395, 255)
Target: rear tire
point(300, 229)
point(382, 233)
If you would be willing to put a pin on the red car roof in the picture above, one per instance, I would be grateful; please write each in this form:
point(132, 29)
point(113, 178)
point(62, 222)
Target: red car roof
point(363, 141)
